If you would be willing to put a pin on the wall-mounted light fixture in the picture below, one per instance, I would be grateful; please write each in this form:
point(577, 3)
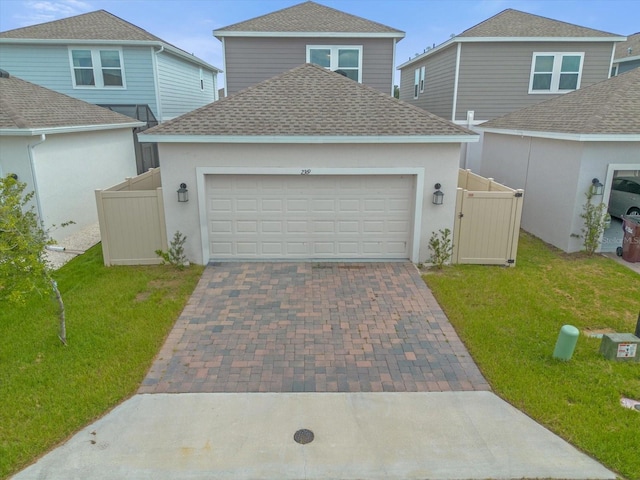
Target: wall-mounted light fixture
point(596, 187)
point(183, 193)
point(438, 196)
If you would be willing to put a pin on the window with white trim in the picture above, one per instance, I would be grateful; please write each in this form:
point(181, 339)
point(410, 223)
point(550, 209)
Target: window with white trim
point(96, 68)
point(556, 72)
point(344, 59)
point(416, 83)
point(422, 74)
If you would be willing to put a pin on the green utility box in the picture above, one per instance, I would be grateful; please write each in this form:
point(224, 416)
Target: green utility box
point(621, 347)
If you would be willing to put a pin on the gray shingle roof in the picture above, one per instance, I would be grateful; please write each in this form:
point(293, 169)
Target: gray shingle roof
point(308, 17)
point(514, 23)
point(622, 48)
point(98, 25)
point(611, 107)
point(309, 101)
point(24, 105)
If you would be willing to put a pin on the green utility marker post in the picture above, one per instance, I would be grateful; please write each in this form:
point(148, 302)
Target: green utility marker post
point(566, 343)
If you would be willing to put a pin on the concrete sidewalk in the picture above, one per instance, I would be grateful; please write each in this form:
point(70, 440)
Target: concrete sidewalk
point(423, 435)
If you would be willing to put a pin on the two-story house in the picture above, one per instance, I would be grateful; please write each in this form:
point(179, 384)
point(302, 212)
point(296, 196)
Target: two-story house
point(512, 60)
point(263, 47)
point(102, 59)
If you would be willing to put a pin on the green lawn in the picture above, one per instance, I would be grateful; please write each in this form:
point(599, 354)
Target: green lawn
point(509, 318)
point(117, 319)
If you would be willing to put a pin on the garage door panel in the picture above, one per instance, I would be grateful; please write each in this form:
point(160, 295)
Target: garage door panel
point(222, 205)
point(296, 226)
point(395, 226)
point(245, 226)
point(274, 205)
point(320, 205)
point(349, 205)
point(324, 248)
point(298, 205)
point(326, 226)
point(348, 227)
point(296, 248)
point(270, 226)
point(221, 248)
point(278, 216)
point(247, 248)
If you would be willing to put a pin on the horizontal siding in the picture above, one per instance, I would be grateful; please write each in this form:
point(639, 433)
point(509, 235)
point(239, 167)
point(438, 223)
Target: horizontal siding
point(494, 77)
point(179, 84)
point(437, 97)
point(626, 66)
point(49, 67)
point(252, 60)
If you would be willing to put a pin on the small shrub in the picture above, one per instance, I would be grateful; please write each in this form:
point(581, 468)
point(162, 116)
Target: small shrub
point(175, 256)
point(441, 247)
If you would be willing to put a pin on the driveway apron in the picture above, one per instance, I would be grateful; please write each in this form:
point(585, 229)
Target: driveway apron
point(312, 327)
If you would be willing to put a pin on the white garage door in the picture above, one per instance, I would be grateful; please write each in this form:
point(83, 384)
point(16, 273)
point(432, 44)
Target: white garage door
point(309, 216)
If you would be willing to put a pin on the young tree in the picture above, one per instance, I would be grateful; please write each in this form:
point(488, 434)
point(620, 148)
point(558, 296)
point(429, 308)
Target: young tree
point(23, 266)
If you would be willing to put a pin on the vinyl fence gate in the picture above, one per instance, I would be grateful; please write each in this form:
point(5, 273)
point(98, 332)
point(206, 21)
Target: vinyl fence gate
point(487, 221)
point(132, 223)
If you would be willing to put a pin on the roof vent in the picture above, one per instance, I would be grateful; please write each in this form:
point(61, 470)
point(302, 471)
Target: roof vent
point(4, 74)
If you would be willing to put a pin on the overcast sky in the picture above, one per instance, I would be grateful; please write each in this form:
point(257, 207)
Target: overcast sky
point(188, 24)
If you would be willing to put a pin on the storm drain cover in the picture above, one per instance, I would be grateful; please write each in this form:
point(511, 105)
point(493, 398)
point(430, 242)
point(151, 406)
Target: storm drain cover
point(303, 436)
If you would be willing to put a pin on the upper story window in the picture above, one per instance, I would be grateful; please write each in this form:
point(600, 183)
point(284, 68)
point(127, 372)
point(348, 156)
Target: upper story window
point(556, 72)
point(416, 82)
point(422, 74)
point(346, 59)
point(97, 68)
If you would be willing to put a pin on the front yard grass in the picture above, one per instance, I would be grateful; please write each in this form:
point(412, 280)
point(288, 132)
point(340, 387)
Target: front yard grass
point(509, 319)
point(117, 319)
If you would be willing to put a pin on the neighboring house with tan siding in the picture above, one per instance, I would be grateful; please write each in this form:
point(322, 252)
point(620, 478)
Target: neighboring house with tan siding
point(102, 59)
point(555, 149)
point(627, 56)
point(510, 61)
point(63, 149)
point(260, 48)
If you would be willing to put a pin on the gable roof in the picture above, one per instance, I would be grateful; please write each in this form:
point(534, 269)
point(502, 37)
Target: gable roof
point(313, 20)
point(93, 27)
point(514, 23)
point(309, 104)
point(605, 111)
point(516, 26)
point(28, 109)
point(622, 49)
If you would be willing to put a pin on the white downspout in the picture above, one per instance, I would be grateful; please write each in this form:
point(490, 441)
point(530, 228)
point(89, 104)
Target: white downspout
point(157, 80)
point(454, 107)
point(224, 66)
point(32, 164)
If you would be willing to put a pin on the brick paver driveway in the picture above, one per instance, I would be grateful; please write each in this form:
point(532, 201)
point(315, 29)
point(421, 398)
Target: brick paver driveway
point(312, 327)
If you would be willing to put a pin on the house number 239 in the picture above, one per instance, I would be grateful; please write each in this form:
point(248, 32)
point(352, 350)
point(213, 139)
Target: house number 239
point(305, 172)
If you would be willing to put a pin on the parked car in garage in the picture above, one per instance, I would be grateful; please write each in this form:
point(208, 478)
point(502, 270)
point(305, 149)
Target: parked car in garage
point(625, 196)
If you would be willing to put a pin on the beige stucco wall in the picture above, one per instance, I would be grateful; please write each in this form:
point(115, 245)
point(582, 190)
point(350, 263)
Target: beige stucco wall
point(68, 169)
point(555, 175)
point(179, 163)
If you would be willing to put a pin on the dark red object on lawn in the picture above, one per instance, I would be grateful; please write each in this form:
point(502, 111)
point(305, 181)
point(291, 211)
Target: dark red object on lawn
point(631, 239)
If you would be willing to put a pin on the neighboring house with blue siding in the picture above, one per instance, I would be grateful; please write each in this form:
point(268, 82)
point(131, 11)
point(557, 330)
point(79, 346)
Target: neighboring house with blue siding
point(102, 59)
point(627, 56)
point(260, 48)
point(510, 61)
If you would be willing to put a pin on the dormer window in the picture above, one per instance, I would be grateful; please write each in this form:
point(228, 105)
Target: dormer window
point(96, 68)
point(346, 59)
